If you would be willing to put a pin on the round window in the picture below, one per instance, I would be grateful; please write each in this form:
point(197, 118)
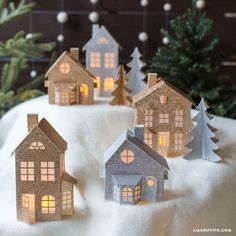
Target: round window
point(127, 156)
point(65, 68)
point(151, 181)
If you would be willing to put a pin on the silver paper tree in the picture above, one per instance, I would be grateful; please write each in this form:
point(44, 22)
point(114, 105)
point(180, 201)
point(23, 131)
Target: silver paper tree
point(135, 75)
point(203, 144)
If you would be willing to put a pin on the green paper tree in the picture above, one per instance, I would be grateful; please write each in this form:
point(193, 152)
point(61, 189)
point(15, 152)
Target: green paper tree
point(18, 51)
point(191, 61)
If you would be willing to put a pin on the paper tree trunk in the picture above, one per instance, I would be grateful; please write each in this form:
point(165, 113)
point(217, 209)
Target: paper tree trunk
point(135, 76)
point(121, 93)
point(203, 144)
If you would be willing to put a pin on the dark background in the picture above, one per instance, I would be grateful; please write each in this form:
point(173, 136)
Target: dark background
point(124, 20)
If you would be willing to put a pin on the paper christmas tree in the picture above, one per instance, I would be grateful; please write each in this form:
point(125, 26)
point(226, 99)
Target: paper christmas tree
point(135, 75)
point(203, 144)
point(121, 93)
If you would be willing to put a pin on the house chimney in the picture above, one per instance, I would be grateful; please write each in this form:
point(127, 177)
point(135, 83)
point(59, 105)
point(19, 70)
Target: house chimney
point(95, 29)
point(32, 121)
point(139, 133)
point(152, 79)
point(74, 53)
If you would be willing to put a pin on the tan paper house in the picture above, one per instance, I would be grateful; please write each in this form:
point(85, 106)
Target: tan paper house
point(68, 81)
point(166, 114)
point(44, 190)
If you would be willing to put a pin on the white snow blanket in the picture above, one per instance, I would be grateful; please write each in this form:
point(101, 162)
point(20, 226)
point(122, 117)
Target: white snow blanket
point(199, 194)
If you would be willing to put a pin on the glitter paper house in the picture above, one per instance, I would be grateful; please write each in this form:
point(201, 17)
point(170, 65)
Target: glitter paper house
point(133, 171)
point(166, 114)
point(102, 55)
point(68, 81)
point(44, 190)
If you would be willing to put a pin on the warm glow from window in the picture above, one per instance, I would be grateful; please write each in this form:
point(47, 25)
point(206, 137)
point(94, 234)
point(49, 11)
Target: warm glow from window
point(148, 118)
point(27, 171)
point(66, 200)
point(65, 68)
point(102, 41)
point(25, 201)
point(179, 117)
point(116, 193)
point(148, 136)
point(47, 171)
point(163, 139)
point(127, 156)
point(137, 193)
point(178, 141)
point(163, 99)
point(36, 145)
point(151, 181)
point(108, 85)
point(127, 194)
point(95, 59)
point(83, 89)
point(48, 204)
point(109, 60)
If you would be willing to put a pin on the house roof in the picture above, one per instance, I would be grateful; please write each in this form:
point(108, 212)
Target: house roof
point(68, 178)
point(128, 135)
point(131, 180)
point(67, 54)
point(150, 90)
point(51, 133)
point(101, 31)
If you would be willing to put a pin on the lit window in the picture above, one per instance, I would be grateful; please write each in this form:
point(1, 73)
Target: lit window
point(83, 89)
point(102, 41)
point(27, 171)
point(72, 97)
point(163, 99)
point(137, 193)
point(178, 141)
point(64, 96)
point(66, 200)
point(179, 117)
point(127, 156)
point(127, 194)
point(47, 171)
point(148, 136)
point(151, 181)
point(116, 193)
point(148, 118)
point(109, 60)
point(95, 59)
point(36, 145)
point(48, 204)
point(164, 118)
point(64, 68)
point(108, 85)
point(163, 139)
point(25, 201)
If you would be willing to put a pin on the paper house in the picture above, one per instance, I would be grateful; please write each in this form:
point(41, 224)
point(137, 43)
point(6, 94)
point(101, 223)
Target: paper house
point(44, 190)
point(133, 171)
point(68, 81)
point(166, 114)
point(102, 54)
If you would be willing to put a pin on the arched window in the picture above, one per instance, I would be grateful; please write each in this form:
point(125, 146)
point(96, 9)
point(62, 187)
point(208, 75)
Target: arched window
point(48, 204)
point(65, 68)
point(151, 181)
point(148, 118)
point(127, 156)
point(83, 89)
point(36, 145)
point(179, 117)
point(108, 84)
point(137, 193)
point(127, 194)
point(102, 40)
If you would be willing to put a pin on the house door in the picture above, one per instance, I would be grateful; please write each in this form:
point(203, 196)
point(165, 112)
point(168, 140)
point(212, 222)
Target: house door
point(28, 208)
point(149, 189)
point(83, 93)
point(163, 142)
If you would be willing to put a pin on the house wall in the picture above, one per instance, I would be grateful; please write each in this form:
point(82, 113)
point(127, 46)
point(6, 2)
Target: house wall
point(142, 165)
point(175, 101)
point(38, 187)
point(67, 187)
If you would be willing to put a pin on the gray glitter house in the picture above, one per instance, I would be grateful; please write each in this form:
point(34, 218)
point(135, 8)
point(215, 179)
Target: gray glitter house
point(133, 171)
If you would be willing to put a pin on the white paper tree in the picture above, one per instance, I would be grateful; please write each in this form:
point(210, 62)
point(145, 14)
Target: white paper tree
point(135, 75)
point(203, 145)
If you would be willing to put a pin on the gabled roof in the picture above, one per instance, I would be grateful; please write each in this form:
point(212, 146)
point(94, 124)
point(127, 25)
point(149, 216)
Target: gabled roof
point(68, 178)
point(128, 135)
point(51, 133)
point(150, 90)
point(68, 55)
point(101, 32)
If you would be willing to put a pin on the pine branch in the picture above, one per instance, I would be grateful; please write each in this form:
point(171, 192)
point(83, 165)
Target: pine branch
point(12, 12)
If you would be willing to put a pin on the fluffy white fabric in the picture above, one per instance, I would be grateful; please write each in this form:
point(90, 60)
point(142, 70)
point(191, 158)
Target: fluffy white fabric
point(199, 194)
